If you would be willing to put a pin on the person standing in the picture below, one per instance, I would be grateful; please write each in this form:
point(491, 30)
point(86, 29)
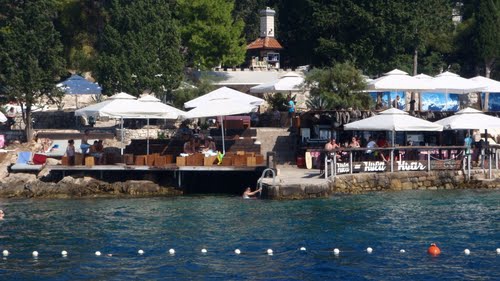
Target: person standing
point(84, 146)
point(11, 117)
point(395, 103)
point(291, 110)
point(70, 152)
point(371, 144)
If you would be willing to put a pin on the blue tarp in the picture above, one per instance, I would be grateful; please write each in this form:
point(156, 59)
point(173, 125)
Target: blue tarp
point(23, 157)
point(77, 85)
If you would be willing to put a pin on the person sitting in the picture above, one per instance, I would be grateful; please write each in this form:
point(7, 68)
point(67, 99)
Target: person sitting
point(371, 144)
point(96, 150)
point(209, 145)
point(382, 142)
point(189, 146)
point(84, 146)
point(331, 146)
point(248, 194)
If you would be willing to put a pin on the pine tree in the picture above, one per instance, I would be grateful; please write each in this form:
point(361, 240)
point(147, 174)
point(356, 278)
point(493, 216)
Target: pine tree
point(31, 58)
point(488, 33)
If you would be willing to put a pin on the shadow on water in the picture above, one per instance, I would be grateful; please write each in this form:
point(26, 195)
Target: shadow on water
point(226, 183)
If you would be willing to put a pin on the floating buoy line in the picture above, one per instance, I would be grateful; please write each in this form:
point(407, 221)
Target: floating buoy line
point(433, 250)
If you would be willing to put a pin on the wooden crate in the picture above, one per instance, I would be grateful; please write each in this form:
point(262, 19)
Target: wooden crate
point(89, 161)
point(250, 154)
point(169, 159)
point(140, 160)
point(150, 159)
point(128, 159)
point(78, 159)
point(259, 159)
point(251, 161)
point(227, 161)
point(180, 161)
point(209, 161)
point(65, 161)
point(240, 152)
point(195, 160)
point(239, 160)
point(160, 161)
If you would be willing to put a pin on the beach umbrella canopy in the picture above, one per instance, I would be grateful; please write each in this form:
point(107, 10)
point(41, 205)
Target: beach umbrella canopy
point(290, 82)
point(394, 120)
point(452, 83)
point(490, 85)
point(397, 80)
point(469, 119)
point(77, 85)
point(224, 93)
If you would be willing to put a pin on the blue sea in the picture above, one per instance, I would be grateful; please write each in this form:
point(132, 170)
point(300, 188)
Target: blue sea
point(387, 222)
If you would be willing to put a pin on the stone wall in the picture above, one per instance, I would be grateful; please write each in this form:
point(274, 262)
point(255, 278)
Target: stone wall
point(137, 134)
point(369, 182)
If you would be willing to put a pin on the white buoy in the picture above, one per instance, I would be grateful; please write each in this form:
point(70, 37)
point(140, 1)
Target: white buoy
point(171, 251)
point(35, 254)
point(204, 251)
point(6, 253)
point(369, 250)
point(467, 252)
point(97, 253)
point(237, 251)
point(270, 252)
point(302, 248)
point(402, 251)
point(336, 251)
point(64, 253)
point(140, 252)
point(498, 251)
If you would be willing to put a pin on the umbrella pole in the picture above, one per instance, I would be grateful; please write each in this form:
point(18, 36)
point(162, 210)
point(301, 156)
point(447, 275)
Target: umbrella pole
point(222, 128)
point(121, 125)
point(147, 134)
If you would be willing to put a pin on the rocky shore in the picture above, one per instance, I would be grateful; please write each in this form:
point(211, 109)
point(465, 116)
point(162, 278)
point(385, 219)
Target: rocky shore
point(40, 185)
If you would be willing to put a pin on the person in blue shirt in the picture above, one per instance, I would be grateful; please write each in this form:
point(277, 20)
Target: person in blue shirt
point(291, 110)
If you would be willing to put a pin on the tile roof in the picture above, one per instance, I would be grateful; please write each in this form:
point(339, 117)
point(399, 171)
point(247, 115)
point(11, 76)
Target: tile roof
point(269, 43)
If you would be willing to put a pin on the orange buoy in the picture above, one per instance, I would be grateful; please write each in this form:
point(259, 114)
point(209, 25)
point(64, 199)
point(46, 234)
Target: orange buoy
point(433, 250)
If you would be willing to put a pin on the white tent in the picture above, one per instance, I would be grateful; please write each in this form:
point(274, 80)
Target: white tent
point(290, 82)
point(491, 86)
point(220, 107)
point(397, 80)
point(394, 120)
point(453, 83)
point(469, 119)
point(224, 93)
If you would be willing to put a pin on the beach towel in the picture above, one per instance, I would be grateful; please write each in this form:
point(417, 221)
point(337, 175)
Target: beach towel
point(23, 157)
point(39, 159)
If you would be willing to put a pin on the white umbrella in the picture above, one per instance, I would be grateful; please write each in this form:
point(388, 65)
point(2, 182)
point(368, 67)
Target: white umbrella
point(394, 120)
point(469, 119)
point(290, 82)
point(155, 105)
point(398, 80)
point(224, 93)
point(220, 107)
point(491, 86)
point(453, 83)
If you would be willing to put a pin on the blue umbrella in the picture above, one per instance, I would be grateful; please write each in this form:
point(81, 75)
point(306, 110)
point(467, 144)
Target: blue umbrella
point(77, 85)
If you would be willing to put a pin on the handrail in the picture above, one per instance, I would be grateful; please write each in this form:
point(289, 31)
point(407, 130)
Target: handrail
point(259, 181)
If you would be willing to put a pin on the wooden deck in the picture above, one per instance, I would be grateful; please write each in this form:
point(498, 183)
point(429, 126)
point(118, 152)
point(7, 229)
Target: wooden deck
point(152, 168)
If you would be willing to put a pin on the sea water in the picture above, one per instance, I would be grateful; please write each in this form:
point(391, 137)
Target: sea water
point(386, 222)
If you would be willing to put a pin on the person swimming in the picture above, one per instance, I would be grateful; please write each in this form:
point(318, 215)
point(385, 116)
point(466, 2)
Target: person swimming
point(248, 194)
point(1, 214)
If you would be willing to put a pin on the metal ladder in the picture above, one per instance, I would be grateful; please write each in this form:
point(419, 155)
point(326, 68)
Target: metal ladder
point(259, 181)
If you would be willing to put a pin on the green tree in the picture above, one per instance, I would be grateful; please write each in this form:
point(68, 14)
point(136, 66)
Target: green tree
point(339, 86)
point(31, 58)
point(210, 34)
point(248, 11)
point(488, 33)
point(139, 48)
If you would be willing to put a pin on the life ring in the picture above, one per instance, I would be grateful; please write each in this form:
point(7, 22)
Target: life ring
point(433, 250)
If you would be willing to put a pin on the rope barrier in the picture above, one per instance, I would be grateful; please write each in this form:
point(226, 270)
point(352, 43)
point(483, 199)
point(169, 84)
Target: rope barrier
point(270, 252)
point(449, 159)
